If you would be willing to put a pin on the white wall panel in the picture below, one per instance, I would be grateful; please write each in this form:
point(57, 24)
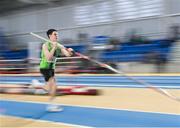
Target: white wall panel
point(4, 25)
point(62, 18)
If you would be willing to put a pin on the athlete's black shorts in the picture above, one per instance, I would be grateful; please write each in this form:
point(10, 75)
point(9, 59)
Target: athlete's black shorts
point(47, 73)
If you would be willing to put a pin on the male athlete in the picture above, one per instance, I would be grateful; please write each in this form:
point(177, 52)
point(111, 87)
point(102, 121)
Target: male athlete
point(47, 65)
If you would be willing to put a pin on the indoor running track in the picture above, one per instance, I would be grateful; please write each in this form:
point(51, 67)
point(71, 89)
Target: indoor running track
point(88, 116)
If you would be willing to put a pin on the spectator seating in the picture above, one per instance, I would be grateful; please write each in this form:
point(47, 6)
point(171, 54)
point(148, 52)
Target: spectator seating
point(130, 53)
point(15, 54)
point(127, 52)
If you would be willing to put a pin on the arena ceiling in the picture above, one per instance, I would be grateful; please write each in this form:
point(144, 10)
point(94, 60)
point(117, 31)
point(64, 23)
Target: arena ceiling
point(9, 6)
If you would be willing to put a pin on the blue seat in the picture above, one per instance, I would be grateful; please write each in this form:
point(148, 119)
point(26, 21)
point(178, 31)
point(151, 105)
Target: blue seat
point(129, 52)
point(19, 54)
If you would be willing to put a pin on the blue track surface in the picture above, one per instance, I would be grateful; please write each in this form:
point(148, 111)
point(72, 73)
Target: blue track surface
point(110, 81)
point(86, 116)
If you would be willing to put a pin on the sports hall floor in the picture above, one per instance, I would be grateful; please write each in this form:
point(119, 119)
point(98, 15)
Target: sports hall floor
point(116, 107)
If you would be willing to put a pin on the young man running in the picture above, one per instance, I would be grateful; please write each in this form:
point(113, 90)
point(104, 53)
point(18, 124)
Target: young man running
point(47, 65)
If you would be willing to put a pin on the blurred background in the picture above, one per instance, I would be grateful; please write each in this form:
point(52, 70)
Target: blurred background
point(135, 36)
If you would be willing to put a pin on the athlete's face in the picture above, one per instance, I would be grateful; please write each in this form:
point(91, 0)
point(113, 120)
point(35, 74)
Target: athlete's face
point(54, 36)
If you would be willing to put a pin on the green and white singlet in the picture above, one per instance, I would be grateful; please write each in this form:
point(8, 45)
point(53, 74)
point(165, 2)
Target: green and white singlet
point(44, 64)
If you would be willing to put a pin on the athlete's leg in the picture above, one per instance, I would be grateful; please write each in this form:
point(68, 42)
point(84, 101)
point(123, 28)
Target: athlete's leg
point(46, 87)
point(52, 93)
point(51, 86)
point(47, 74)
point(35, 83)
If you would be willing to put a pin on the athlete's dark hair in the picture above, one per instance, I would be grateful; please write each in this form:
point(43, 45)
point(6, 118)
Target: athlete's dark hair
point(50, 31)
